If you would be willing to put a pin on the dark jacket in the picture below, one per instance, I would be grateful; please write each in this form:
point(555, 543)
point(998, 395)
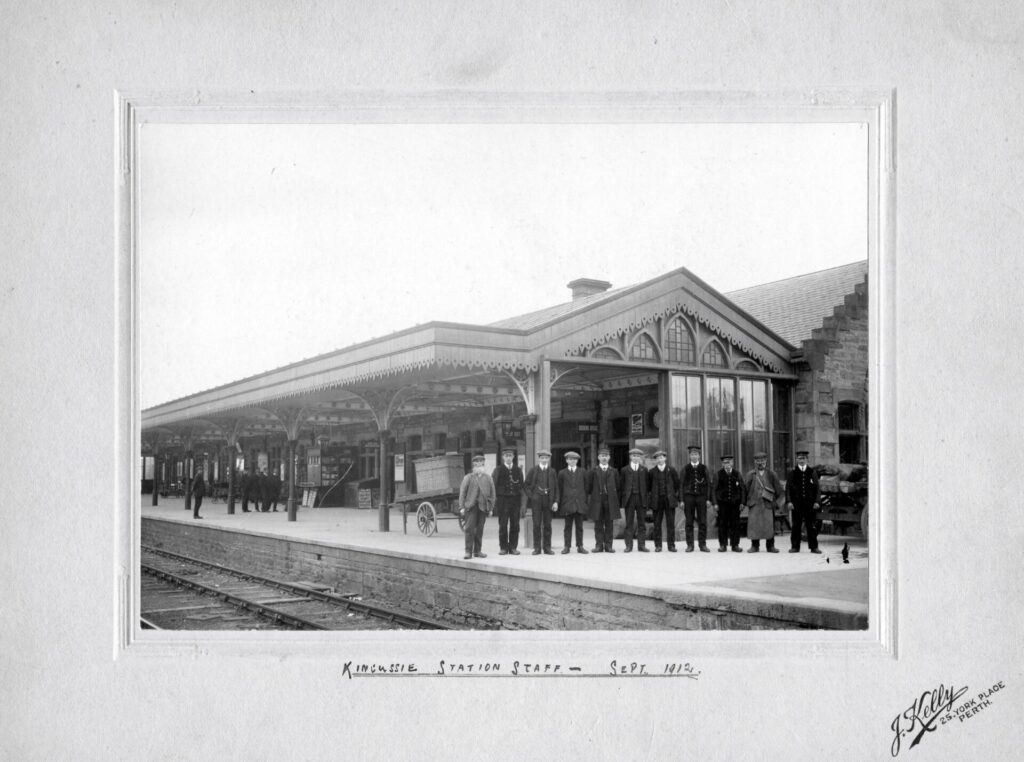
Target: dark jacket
point(696, 481)
point(609, 481)
point(572, 491)
point(802, 487)
point(508, 481)
point(728, 487)
point(631, 480)
point(663, 483)
point(198, 486)
point(541, 487)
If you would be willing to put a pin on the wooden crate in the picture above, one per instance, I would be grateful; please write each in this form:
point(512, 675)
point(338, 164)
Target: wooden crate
point(439, 472)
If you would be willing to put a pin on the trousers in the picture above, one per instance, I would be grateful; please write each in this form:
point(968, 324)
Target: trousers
point(803, 514)
point(475, 519)
point(542, 527)
point(570, 520)
point(636, 524)
point(603, 531)
point(665, 510)
point(729, 524)
point(507, 509)
point(695, 508)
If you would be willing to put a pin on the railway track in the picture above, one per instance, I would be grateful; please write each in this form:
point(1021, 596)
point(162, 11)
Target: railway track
point(180, 592)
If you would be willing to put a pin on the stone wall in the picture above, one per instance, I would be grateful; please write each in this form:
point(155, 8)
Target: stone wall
point(834, 369)
point(468, 597)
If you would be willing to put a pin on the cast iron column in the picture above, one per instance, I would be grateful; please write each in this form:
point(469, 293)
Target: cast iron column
point(292, 455)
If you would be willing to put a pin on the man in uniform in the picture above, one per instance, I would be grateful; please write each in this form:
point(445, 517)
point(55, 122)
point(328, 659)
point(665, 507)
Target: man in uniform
point(663, 486)
point(476, 503)
point(198, 488)
point(572, 500)
point(273, 492)
point(604, 501)
point(542, 493)
point(634, 496)
point(762, 489)
point(508, 481)
point(802, 501)
point(246, 487)
point(696, 499)
point(259, 491)
point(728, 493)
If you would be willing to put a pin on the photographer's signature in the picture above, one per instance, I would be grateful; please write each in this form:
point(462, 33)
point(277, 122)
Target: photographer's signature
point(936, 707)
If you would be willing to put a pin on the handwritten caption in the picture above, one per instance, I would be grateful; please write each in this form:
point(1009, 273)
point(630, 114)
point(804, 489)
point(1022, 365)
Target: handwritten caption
point(517, 668)
point(935, 708)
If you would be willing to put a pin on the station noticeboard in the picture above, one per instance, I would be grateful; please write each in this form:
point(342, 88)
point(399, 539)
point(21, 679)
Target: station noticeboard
point(399, 467)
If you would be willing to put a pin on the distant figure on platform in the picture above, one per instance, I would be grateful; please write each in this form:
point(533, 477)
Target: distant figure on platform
point(802, 500)
point(762, 489)
point(259, 491)
point(663, 486)
point(542, 495)
point(634, 497)
point(476, 503)
point(508, 482)
point(573, 483)
point(604, 501)
point(273, 492)
point(696, 499)
point(245, 489)
point(728, 496)
point(198, 490)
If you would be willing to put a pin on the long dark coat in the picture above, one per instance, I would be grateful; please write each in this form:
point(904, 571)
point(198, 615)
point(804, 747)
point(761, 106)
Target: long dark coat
point(627, 476)
point(610, 478)
point(572, 492)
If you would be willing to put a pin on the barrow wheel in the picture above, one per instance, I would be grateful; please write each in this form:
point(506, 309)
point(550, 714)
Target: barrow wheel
point(462, 520)
point(426, 518)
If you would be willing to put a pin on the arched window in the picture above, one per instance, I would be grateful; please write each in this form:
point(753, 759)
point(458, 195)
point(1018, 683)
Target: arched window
point(643, 349)
point(679, 343)
point(714, 357)
point(604, 353)
point(747, 365)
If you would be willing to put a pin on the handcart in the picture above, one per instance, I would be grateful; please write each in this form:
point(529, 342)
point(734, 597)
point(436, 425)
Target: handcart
point(438, 480)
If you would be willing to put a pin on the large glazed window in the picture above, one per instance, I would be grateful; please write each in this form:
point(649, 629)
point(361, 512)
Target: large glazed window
point(687, 415)
point(720, 404)
point(679, 343)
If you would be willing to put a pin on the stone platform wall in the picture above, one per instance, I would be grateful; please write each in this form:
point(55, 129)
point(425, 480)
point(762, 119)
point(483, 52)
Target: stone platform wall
point(478, 598)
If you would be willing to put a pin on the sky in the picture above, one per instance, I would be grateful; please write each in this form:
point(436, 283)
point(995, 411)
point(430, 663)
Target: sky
point(261, 245)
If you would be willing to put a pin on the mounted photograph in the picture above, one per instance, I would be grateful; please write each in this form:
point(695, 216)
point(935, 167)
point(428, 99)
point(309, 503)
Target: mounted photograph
point(489, 373)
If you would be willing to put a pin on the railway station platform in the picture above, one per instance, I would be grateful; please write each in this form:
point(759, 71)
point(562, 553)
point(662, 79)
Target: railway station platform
point(343, 548)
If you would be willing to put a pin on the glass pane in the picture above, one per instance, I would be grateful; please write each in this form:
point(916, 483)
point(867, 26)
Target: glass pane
point(719, 443)
point(679, 409)
point(728, 403)
point(782, 462)
point(682, 439)
point(760, 410)
point(780, 414)
point(746, 407)
point(693, 398)
point(714, 403)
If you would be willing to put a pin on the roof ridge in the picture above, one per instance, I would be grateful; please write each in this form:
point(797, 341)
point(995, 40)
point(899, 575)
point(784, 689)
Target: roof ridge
point(794, 277)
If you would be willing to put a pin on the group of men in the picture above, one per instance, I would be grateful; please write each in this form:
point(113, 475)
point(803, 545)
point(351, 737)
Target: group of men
point(603, 493)
point(260, 488)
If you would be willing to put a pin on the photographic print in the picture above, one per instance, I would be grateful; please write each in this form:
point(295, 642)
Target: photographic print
point(504, 376)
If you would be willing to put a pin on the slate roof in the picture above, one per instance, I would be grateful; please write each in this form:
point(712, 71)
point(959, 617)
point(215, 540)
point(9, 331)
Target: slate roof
point(533, 319)
point(794, 307)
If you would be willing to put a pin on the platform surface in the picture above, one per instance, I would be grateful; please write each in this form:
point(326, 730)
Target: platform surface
point(797, 578)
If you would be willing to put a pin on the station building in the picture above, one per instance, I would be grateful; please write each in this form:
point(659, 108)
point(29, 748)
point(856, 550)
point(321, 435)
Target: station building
point(662, 364)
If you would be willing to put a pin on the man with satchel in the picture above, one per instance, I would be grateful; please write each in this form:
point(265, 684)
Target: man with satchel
point(604, 501)
point(508, 481)
point(802, 501)
point(763, 490)
point(542, 493)
point(476, 503)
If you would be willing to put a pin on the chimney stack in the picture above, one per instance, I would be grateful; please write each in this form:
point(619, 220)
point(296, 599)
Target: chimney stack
point(582, 287)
